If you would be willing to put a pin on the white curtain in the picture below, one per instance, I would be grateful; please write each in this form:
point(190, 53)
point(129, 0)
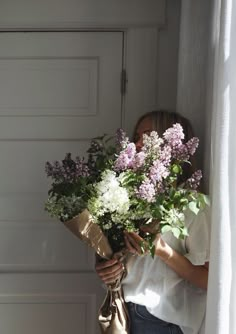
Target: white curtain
point(221, 302)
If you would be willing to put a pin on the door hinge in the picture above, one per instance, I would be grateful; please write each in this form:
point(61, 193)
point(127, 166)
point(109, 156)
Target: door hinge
point(123, 81)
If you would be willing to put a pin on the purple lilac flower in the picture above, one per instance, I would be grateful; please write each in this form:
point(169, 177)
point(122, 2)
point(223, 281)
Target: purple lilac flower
point(192, 145)
point(48, 168)
point(126, 158)
point(180, 152)
point(121, 139)
point(146, 191)
point(165, 155)
point(158, 171)
point(139, 160)
point(122, 162)
point(68, 170)
point(152, 143)
point(194, 181)
point(53, 170)
point(95, 146)
point(174, 135)
point(81, 168)
point(130, 150)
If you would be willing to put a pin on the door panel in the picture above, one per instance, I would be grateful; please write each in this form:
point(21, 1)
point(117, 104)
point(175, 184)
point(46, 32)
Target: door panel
point(69, 87)
point(59, 85)
point(49, 303)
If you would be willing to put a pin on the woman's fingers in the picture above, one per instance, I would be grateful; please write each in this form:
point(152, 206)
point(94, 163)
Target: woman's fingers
point(134, 242)
point(129, 245)
point(109, 271)
point(152, 227)
point(105, 264)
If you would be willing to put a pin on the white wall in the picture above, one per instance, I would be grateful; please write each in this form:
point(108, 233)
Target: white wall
point(159, 67)
point(168, 57)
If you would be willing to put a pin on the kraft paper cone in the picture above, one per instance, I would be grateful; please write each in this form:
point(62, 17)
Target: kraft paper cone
point(87, 230)
point(113, 315)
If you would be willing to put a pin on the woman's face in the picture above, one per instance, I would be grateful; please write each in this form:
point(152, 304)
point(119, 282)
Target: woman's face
point(145, 126)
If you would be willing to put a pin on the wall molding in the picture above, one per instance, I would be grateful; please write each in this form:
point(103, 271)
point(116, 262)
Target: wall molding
point(81, 14)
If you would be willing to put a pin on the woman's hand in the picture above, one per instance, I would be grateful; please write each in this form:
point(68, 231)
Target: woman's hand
point(134, 243)
point(110, 271)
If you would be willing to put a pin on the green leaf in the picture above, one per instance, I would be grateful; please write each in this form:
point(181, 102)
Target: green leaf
point(184, 231)
point(184, 201)
point(206, 199)
point(156, 213)
point(152, 251)
point(200, 205)
point(193, 207)
point(177, 195)
point(172, 192)
point(143, 248)
point(176, 232)
point(176, 169)
point(165, 229)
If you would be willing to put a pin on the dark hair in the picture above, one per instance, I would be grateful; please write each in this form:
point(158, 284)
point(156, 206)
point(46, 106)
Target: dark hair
point(162, 120)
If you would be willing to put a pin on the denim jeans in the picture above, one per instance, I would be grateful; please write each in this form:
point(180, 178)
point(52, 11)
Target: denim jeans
point(142, 322)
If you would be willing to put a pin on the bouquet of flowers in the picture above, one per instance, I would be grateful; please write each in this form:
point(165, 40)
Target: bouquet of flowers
point(118, 188)
point(124, 189)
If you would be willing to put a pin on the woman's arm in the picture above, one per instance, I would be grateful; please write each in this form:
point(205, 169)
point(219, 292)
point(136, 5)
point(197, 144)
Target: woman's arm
point(196, 275)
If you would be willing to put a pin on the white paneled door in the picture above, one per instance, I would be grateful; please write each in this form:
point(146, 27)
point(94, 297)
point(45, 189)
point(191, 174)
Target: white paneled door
point(57, 91)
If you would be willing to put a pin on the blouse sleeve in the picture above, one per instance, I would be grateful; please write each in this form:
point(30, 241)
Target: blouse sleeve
point(198, 241)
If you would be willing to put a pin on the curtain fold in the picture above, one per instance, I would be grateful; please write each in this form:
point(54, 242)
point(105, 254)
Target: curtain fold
point(221, 300)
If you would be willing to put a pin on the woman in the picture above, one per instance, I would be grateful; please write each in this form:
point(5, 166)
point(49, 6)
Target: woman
point(166, 294)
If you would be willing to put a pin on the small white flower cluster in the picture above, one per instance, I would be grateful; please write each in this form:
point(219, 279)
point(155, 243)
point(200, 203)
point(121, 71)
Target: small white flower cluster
point(110, 196)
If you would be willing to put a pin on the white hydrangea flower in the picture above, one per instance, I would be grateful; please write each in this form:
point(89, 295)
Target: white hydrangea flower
point(111, 197)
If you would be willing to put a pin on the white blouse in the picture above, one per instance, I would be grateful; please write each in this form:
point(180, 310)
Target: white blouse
point(150, 282)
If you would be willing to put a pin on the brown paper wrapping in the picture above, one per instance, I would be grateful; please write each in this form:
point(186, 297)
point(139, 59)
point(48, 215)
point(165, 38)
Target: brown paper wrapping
point(113, 315)
point(85, 229)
